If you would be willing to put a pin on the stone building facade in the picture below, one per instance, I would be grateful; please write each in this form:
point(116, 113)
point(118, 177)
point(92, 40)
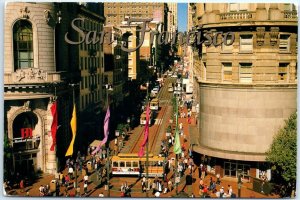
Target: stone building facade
point(246, 90)
point(30, 84)
point(41, 68)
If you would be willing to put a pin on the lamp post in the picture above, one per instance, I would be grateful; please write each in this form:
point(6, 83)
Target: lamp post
point(76, 181)
point(128, 122)
point(239, 182)
point(147, 149)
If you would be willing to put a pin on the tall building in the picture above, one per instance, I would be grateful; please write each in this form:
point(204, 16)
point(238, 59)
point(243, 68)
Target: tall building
point(32, 83)
point(116, 13)
point(116, 64)
point(91, 65)
point(247, 89)
point(133, 57)
point(42, 68)
point(147, 55)
point(172, 17)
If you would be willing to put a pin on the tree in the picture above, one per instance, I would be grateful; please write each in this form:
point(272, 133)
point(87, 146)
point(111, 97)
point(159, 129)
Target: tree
point(283, 154)
point(7, 156)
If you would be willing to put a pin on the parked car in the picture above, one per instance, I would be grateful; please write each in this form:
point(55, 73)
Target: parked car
point(154, 92)
point(170, 88)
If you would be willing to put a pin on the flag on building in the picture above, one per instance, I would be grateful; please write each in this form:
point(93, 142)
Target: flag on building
point(73, 124)
point(146, 133)
point(106, 132)
point(177, 146)
point(53, 125)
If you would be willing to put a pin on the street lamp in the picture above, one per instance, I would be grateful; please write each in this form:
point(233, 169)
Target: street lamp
point(73, 94)
point(128, 122)
point(147, 148)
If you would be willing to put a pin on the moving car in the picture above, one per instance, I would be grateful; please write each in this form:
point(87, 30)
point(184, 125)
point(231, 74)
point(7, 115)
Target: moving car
point(154, 92)
point(170, 87)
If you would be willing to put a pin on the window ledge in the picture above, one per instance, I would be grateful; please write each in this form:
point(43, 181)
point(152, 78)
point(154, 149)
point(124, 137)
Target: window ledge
point(287, 52)
point(245, 52)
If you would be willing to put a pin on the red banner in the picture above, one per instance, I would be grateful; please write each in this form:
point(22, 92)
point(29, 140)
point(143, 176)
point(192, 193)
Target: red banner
point(26, 133)
point(146, 132)
point(54, 125)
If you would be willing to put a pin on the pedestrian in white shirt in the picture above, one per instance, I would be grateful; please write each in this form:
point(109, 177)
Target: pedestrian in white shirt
point(70, 172)
point(86, 178)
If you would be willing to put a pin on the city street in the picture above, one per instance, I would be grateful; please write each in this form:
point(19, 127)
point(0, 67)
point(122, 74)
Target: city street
point(132, 145)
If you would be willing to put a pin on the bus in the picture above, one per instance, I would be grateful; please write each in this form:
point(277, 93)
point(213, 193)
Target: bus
point(132, 165)
point(143, 118)
point(154, 104)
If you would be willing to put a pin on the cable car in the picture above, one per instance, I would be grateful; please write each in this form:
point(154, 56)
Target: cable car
point(154, 104)
point(131, 164)
point(143, 118)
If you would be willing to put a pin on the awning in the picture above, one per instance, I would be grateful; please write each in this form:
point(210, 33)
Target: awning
point(95, 143)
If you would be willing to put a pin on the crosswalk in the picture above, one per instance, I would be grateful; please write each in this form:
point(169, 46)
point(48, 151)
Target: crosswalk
point(158, 121)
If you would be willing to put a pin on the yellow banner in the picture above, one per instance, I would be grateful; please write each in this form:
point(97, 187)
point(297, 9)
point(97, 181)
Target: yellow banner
point(73, 127)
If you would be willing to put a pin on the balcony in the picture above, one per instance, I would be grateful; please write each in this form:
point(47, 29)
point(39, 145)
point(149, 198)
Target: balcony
point(237, 16)
point(93, 87)
point(33, 76)
point(93, 70)
point(290, 15)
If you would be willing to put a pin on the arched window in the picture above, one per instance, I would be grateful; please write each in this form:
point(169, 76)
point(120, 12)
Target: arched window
point(23, 44)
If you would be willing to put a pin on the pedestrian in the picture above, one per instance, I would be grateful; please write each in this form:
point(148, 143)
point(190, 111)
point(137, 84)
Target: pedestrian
point(203, 171)
point(218, 179)
point(165, 187)
point(70, 172)
point(22, 185)
point(170, 186)
point(41, 189)
point(221, 192)
point(67, 180)
point(86, 178)
point(101, 194)
point(57, 189)
point(153, 187)
point(85, 187)
point(159, 187)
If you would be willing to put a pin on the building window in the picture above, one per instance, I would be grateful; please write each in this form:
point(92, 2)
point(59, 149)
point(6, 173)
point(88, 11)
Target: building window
point(245, 72)
point(246, 43)
point(204, 71)
point(86, 83)
point(81, 63)
point(283, 71)
point(227, 48)
point(82, 83)
point(226, 71)
point(284, 43)
point(23, 45)
point(130, 62)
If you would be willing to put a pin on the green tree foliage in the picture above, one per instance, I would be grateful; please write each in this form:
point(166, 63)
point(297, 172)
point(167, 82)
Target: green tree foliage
point(283, 151)
point(7, 156)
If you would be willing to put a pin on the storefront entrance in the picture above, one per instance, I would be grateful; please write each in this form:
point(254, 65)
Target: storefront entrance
point(25, 164)
point(231, 169)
